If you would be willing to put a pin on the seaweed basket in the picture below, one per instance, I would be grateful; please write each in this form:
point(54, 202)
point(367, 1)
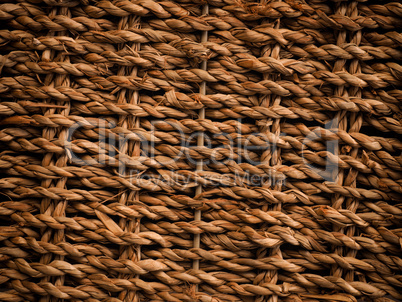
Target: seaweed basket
point(188, 150)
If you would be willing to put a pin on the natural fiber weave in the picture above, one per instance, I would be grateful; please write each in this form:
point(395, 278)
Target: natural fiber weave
point(219, 150)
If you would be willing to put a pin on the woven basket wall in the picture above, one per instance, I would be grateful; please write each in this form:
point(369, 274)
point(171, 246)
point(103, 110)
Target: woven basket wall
point(191, 150)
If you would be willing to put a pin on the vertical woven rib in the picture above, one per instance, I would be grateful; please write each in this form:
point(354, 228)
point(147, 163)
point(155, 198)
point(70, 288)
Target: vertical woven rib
point(132, 149)
point(200, 143)
point(272, 158)
point(342, 119)
point(353, 123)
point(49, 206)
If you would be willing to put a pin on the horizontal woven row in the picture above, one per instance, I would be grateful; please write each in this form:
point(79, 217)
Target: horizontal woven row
point(157, 150)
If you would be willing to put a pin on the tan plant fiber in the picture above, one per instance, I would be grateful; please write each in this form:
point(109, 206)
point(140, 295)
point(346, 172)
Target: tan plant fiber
point(200, 150)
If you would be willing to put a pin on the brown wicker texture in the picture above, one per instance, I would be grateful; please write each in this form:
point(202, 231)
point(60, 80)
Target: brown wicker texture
point(192, 150)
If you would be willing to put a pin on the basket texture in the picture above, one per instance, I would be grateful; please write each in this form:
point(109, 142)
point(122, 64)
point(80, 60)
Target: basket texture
point(192, 150)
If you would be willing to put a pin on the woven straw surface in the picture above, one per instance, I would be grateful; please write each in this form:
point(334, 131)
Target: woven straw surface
point(190, 150)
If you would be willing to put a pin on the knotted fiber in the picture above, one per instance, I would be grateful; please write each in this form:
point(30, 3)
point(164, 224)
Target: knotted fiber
point(187, 150)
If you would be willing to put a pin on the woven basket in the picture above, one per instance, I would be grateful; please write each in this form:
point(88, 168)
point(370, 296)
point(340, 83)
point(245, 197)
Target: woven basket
point(219, 150)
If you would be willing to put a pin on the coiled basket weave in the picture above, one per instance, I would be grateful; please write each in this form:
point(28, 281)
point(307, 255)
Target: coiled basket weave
point(200, 150)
